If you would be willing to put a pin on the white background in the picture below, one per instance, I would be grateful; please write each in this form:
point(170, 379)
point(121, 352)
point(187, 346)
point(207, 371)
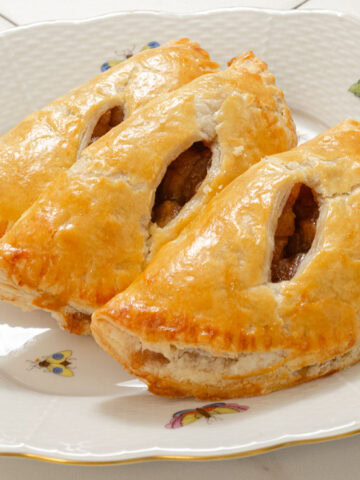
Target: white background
point(333, 460)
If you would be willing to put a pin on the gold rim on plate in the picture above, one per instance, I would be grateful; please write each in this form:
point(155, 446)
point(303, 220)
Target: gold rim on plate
point(188, 458)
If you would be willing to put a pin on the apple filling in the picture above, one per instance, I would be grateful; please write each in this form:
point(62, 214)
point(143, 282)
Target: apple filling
point(182, 179)
point(295, 232)
point(110, 119)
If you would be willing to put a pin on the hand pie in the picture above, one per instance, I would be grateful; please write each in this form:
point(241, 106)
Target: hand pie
point(96, 227)
point(259, 293)
point(48, 141)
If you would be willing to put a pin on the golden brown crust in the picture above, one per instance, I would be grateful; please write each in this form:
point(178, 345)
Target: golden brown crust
point(210, 289)
point(90, 234)
point(48, 141)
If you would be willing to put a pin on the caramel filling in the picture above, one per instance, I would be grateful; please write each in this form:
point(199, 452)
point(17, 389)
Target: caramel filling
point(110, 119)
point(180, 183)
point(295, 232)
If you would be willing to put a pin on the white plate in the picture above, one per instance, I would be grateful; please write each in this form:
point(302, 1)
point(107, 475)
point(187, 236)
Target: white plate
point(101, 414)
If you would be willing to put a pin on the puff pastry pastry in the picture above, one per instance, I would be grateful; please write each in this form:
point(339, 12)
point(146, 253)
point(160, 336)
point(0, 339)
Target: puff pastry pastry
point(48, 141)
point(215, 316)
point(95, 228)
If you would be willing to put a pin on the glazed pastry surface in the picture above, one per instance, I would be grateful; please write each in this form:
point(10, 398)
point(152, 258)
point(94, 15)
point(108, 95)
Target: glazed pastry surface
point(207, 318)
point(95, 229)
point(50, 140)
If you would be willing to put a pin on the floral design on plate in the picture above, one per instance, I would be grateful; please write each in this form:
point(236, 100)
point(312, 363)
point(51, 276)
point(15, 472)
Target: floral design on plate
point(111, 63)
point(58, 363)
point(355, 88)
point(185, 417)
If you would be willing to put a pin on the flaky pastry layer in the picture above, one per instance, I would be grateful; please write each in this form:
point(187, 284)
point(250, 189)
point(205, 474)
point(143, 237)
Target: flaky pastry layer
point(176, 371)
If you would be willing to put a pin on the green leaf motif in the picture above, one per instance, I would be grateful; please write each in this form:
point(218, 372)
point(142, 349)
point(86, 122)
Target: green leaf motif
point(355, 88)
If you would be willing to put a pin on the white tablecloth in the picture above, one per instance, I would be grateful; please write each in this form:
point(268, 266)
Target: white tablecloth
point(333, 460)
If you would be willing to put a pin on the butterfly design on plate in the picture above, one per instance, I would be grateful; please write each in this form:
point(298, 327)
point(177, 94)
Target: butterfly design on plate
point(185, 417)
point(111, 63)
point(58, 363)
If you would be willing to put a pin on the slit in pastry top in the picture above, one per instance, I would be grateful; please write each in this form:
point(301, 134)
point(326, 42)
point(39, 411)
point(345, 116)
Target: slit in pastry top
point(295, 232)
point(180, 183)
point(108, 120)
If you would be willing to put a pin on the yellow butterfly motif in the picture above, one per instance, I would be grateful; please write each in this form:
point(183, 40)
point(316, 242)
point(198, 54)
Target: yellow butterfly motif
point(57, 363)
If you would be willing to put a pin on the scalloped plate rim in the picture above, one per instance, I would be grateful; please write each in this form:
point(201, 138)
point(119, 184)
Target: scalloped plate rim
point(164, 13)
